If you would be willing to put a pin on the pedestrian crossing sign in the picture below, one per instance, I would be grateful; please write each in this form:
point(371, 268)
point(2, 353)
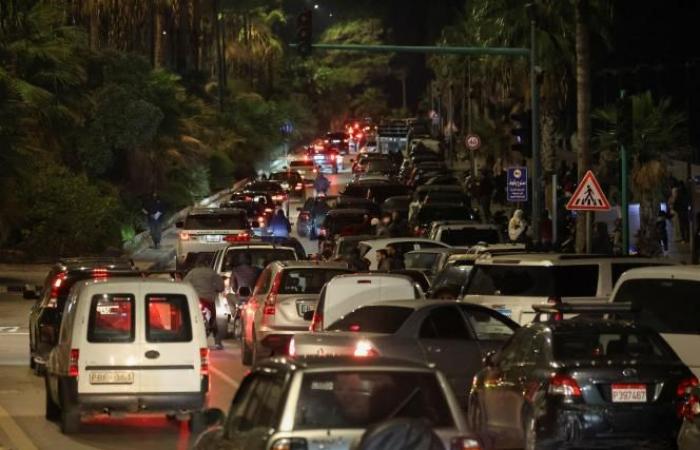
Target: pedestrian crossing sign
point(588, 196)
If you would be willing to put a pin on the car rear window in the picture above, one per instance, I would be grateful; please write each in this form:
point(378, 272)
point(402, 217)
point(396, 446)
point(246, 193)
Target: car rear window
point(167, 318)
point(434, 213)
point(424, 261)
point(534, 281)
point(264, 186)
point(590, 344)
point(666, 305)
point(260, 257)
point(358, 399)
point(337, 223)
point(111, 318)
point(216, 222)
point(306, 281)
point(470, 236)
point(373, 319)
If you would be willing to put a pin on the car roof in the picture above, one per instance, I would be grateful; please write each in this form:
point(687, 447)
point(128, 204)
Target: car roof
point(691, 272)
point(550, 259)
point(155, 282)
point(387, 241)
point(356, 237)
point(433, 250)
point(306, 264)
point(393, 276)
point(439, 187)
point(215, 211)
point(584, 324)
point(341, 363)
point(92, 262)
point(254, 245)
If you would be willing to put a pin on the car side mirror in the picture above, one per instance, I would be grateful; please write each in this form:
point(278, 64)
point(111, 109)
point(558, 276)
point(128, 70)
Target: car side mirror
point(179, 224)
point(309, 315)
point(244, 291)
point(214, 417)
point(490, 359)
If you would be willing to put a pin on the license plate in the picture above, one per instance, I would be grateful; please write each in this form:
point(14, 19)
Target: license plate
point(111, 377)
point(303, 308)
point(212, 238)
point(629, 393)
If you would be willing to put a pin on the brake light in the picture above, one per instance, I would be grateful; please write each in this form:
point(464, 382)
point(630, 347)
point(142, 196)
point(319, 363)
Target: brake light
point(464, 443)
point(364, 349)
point(685, 386)
point(332, 157)
point(278, 198)
point(564, 385)
point(99, 273)
point(299, 186)
point(184, 236)
point(240, 237)
point(691, 408)
point(261, 219)
point(55, 286)
point(555, 301)
point(289, 444)
point(204, 361)
point(316, 322)
point(292, 350)
point(73, 370)
point(271, 300)
point(268, 210)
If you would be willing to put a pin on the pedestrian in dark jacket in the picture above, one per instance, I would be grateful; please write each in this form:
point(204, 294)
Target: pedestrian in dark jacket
point(356, 261)
point(279, 225)
point(395, 259)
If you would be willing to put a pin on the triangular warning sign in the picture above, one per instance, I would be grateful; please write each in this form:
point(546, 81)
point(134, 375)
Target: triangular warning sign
point(588, 196)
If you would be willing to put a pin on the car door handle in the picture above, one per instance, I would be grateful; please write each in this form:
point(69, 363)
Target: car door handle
point(152, 354)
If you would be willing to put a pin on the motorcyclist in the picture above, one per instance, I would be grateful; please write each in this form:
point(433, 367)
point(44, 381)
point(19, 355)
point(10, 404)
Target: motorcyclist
point(321, 184)
point(279, 225)
point(208, 284)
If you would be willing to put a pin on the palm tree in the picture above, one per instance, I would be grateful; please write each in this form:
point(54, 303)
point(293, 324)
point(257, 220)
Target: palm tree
point(583, 109)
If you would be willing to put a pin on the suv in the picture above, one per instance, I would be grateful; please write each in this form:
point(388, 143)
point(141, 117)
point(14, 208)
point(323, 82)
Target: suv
point(314, 403)
point(466, 234)
point(206, 230)
point(512, 283)
point(285, 291)
point(128, 345)
point(46, 314)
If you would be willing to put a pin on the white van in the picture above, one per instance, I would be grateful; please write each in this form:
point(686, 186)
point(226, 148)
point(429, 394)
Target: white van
point(668, 300)
point(345, 293)
point(128, 346)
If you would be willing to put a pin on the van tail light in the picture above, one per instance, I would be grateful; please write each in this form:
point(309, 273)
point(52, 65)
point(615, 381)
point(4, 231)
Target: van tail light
point(290, 444)
point(316, 322)
point(464, 443)
point(555, 301)
point(364, 349)
point(100, 273)
point(685, 386)
point(564, 385)
point(204, 361)
point(690, 409)
point(240, 237)
point(184, 236)
point(73, 370)
point(271, 299)
point(55, 287)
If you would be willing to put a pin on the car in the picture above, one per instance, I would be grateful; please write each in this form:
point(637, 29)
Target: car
point(345, 293)
point(422, 191)
point(326, 158)
point(291, 181)
point(427, 213)
point(581, 383)
point(466, 234)
point(360, 164)
point(305, 168)
point(689, 434)
point(666, 297)
point(289, 241)
point(454, 337)
point(368, 249)
point(206, 230)
point(446, 197)
point(345, 222)
point(375, 190)
point(344, 245)
point(370, 145)
point(128, 345)
point(257, 213)
point(272, 188)
point(312, 213)
point(275, 311)
point(397, 203)
point(345, 202)
point(512, 283)
point(380, 166)
point(444, 180)
point(46, 314)
point(328, 403)
point(429, 260)
point(338, 140)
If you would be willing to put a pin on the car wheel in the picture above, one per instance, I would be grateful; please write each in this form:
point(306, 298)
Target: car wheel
point(246, 353)
point(197, 422)
point(53, 412)
point(32, 363)
point(237, 328)
point(70, 416)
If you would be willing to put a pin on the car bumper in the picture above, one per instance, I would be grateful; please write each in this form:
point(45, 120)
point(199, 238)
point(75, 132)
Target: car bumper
point(606, 426)
point(278, 339)
point(198, 247)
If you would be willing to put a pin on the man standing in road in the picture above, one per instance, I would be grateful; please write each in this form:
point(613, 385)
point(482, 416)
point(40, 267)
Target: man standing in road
point(279, 225)
point(154, 211)
point(208, 284)
point(321, 184)
point(244, 274)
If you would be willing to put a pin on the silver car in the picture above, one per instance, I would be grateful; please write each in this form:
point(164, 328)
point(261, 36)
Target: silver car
point(453, 336)
point(285, 291)
point(328, 403)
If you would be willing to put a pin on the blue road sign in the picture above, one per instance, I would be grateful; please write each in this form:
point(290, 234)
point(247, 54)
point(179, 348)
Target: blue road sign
point(516, 188)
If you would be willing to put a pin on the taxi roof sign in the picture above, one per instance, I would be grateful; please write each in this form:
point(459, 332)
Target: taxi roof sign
point(588, 196)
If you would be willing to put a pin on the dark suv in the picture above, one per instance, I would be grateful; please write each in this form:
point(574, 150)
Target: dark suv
point(46, 314)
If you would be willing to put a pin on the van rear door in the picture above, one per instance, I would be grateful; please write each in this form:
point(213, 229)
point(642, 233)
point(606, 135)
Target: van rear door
point(170, 356)
point(110, 349)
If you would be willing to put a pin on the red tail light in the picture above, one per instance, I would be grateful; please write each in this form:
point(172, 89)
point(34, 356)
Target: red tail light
point(204, 361)
point(55, 287)
point(316, 322)
point(332, 157)
point(464, 443)
point(685, 386)
point(241, 237)
point(364, 349)
point(184, 236)
point(690, 409)
point(100, 273)
point(73, 370)
point(299, 186)
point(564, 385)
point(271, 300)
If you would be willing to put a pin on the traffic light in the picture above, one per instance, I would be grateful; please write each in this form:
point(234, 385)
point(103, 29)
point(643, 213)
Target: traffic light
point(304, 28)
point(522, 132)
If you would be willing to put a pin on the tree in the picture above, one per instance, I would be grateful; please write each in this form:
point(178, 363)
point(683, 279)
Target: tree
point(583, 109)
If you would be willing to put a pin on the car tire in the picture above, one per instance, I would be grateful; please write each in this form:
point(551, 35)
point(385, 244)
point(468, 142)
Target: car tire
point(197, 422)
point(32, 363)
point(237, 328)
point(246, 353)
point(70, 416)
point(39, 369)
point(53, 412)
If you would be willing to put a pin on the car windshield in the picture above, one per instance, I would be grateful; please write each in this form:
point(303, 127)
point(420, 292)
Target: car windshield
point(593, 344)
point(337, 223)
point(434, 213)
point(216, 222)
point(264, 186)
point(534, 281)
point(470, 236)
point(289, 177)
point(421, 261)
point(307, 281)
point(260, 257)
point(373, 319)
point(360, 398)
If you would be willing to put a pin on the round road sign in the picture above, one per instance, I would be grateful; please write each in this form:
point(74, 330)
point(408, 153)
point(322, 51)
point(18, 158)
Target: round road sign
point(473, 141)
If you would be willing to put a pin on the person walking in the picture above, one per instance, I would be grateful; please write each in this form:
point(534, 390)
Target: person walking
point(321, 184)
point(279, 225)
point(356, 261)
point(383, 227)
point(244, 274)
point(154, 211)
point(517, 227)
point(661, 231)
point(208, 285)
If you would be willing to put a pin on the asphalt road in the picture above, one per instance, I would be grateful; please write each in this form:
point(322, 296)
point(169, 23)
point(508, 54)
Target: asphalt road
point(22, 422)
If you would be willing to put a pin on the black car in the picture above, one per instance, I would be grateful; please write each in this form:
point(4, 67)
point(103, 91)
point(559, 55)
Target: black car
point(433, 212)
point(312, 213)
point(361, 203)
point(46, 314)
point(375, 191)
point(345, 222)
point(291, 181)
point(582, 383)
point(397, 203)
point(273, 188)
point(338, 140)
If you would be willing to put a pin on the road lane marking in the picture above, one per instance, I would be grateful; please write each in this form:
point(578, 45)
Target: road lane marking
point(9, 329)
point(227, 379)
point(18, 437)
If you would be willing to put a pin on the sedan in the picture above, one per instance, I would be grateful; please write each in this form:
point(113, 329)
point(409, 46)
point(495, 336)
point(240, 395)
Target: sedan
point(453, 336)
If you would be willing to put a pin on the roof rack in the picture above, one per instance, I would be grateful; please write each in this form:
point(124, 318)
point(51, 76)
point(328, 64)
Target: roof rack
point(555, 311)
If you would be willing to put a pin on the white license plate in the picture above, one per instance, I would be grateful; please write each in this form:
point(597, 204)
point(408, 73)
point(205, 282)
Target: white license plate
point(629, 393)
point(212, 238)
point(111, 377)
point(303, 308)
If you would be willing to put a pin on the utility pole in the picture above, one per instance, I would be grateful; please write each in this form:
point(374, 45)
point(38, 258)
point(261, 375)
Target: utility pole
point(535, 93)
point(219, 52)
point(623, 138)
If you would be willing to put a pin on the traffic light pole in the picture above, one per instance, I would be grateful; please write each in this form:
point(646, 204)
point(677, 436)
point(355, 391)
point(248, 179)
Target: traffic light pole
point(536, 162)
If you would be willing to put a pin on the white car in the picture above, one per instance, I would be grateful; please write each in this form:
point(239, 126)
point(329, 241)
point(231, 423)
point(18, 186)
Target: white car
point(665, 298)
point(465, 234)
point(345, 293)
point(205, 230)
point(511, 284)
point(368, 249)
point(128, 345)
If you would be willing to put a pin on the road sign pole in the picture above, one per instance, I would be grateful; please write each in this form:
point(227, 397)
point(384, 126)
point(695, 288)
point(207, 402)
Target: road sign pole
point(555, 210)
point(536, 163)
point(589, 227)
